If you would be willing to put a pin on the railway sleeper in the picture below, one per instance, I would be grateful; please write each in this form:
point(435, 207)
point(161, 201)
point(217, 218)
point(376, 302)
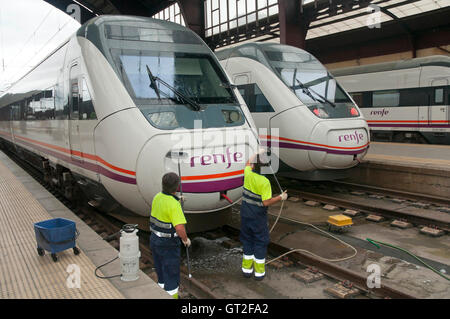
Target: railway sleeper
point(343, 290)
point(307, 276)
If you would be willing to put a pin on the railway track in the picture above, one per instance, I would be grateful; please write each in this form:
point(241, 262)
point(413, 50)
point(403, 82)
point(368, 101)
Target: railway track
point(333, 270)
point(392, 192)
point(344, 199)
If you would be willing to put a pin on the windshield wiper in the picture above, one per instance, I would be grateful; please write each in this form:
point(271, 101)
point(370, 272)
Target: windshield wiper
point(228, 85)
point(303, 87)
point(153, 80)
point(308, 91)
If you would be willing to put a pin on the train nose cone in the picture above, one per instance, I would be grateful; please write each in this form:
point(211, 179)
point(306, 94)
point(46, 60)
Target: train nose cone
point(343, 144)
point(206, 172)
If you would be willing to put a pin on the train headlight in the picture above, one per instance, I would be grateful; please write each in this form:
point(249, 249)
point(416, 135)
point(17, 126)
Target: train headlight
point(165, 120)
point(231, 116)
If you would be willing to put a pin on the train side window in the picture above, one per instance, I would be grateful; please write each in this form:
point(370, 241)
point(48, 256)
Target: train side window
point(255, 99)
point(385, 98)
point(261, 102)
point(87, 111)
point(414, 97)
point(23, 110)
point(15, 112)
point(75, 100)
point(244, 90)
point(5, 113)
point(358, 98)
point(439, 96)
point(29, 115)
point(61, 103)
point(47, 105)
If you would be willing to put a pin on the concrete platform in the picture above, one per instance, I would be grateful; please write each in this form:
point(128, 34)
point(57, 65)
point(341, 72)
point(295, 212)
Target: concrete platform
point(26, 275)
point(416, 168)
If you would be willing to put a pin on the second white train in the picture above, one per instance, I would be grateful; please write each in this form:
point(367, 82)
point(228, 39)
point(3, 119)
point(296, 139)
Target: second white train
point(298, 105)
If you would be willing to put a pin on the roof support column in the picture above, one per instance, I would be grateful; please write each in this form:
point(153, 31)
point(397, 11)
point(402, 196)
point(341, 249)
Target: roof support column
point(194, 15)
point(293, 25)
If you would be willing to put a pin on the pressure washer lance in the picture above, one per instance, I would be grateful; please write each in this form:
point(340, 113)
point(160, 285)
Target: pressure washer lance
point(182, 155)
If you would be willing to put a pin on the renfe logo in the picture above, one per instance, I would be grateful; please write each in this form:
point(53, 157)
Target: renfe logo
point(218, 158)
point(352, 137)
point(382, 112)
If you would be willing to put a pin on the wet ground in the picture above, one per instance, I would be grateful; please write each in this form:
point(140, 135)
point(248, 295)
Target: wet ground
point(219, 267)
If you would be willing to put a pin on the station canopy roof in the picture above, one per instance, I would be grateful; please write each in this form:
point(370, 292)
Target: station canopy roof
point(360, 18)
point(327, 16)
point(335, 30)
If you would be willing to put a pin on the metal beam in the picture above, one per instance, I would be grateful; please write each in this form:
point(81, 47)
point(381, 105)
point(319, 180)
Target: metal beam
point(293, 25)
point(344, 48)
point(405, 27)
point(194, 15)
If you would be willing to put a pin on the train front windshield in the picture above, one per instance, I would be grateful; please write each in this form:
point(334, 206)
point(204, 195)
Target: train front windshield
point(160, 67)
point(311, 82)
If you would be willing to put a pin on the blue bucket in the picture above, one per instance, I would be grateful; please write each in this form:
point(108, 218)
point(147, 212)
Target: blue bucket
point(55, 235)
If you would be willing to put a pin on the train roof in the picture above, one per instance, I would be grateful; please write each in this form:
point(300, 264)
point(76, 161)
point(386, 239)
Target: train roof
point(150, 22)
point(225, 53)
point(436, 60)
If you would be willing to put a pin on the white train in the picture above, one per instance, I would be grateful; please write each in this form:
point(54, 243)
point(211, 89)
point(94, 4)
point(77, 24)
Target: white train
point(108, 108)
point(319, 129)
point(403, 101)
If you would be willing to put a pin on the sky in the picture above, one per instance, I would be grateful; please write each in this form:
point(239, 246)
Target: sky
point(29, 30)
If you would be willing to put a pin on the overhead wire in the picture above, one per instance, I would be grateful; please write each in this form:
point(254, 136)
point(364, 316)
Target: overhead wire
point(30, 37)
point(46, 43)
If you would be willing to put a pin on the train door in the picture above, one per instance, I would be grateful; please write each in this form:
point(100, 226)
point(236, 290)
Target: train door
point(438, 111)
point(74, 105)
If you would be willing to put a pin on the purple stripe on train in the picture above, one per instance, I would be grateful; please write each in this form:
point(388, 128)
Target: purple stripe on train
point(213, 186)
point(86, 165)
point(196, 187)
point(320, 149)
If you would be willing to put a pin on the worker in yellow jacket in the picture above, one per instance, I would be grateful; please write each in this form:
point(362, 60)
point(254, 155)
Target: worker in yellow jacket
point(167, 226)
point(254, 235)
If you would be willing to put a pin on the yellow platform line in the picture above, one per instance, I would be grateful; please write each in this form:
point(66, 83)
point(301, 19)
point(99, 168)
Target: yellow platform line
point(23, 273)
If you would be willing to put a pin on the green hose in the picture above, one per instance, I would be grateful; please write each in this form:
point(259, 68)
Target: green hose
point(373, 242)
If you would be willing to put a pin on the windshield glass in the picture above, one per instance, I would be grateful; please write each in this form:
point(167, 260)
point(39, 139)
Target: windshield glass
point(169, 72)
point(302, 68)
point(193, 75)
point(311, 82)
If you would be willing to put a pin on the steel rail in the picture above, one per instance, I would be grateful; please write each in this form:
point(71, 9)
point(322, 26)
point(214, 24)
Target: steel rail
point(342, 274)
point(370, 209)
point(393, 192)
point(334, 271)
